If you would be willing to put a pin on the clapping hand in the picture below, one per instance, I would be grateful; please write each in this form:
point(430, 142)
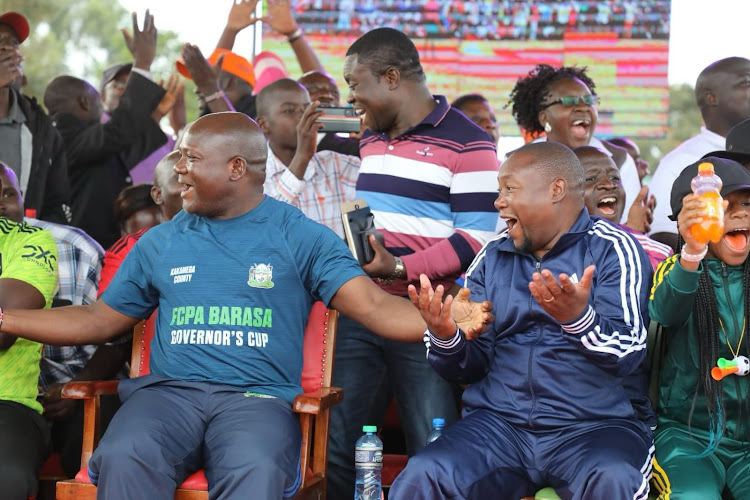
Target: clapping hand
point(443, 317)
point(10, 64)
point(641, 213)
point(564, 301)
point(174, 87)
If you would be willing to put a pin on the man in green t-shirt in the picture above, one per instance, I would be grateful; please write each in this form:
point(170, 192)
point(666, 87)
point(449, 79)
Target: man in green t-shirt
point(28, 279)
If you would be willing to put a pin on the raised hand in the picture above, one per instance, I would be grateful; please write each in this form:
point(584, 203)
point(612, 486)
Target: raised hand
point(205, 76)
point(564, 301)
point(241, 15)
point(10, 64)
point(641, 213)
point(142, 44)
point(280, 17)
point(473, 318)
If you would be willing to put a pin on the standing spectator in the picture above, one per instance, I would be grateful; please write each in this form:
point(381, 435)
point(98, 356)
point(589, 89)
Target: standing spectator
point(315, 182)
point(100, 155)
point(322, 88)
point(111, 89)
point(561, 103)
point(28, 279)
point(29, 144)
point(722, 93)
point(429, 175)
point(480, 111)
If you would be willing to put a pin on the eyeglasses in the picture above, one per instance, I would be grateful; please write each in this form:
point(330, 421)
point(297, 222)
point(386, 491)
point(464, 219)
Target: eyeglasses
point(573, 100)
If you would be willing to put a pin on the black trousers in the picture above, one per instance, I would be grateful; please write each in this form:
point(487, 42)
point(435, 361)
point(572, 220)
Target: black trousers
point(24, 446)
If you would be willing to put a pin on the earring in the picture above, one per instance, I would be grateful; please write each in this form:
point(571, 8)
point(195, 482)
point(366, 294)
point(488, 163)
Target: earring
point(547, 127)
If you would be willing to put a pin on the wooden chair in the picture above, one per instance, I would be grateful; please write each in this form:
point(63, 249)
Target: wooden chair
point(313, 407)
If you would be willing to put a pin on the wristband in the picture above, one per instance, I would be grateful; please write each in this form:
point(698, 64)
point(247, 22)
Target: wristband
point(693, 257)
point(216, 95)
point(1, 318)
point(295, 35)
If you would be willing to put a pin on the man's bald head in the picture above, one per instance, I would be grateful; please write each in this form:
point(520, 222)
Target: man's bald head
point(270, 94)
point(165, 168)
point(591, 153)
point(552, 160)
point(237, 133)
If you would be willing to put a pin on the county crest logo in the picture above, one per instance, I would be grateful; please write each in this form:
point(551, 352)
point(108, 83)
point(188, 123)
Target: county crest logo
point(261, 276)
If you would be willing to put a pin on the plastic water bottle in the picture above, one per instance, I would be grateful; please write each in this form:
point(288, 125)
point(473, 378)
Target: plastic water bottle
point(368, 464)
point(707, 185)
point(438, 424)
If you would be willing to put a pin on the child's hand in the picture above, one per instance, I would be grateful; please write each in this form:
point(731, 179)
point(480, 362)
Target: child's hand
point(693, 211)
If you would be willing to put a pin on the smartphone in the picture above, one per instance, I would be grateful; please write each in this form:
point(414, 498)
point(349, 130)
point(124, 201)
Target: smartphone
point(339, 120)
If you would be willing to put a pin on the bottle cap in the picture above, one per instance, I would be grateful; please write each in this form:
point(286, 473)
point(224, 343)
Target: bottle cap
point(706, 168)
point(370, 428)
point(438, 422)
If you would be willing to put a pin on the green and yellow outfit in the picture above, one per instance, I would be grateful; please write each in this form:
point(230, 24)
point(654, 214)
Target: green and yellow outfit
point(27, 254)
point(678, 473)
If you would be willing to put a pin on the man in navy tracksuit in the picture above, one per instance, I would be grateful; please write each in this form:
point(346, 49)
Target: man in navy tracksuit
point(556, 395)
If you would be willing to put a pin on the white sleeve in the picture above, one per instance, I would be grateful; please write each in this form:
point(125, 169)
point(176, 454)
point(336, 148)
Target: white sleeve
point(661, 187)
point(631, 182)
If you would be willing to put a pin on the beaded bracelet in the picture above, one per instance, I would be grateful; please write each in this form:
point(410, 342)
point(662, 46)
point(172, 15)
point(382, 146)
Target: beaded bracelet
point(1, 317)
point(693, 257)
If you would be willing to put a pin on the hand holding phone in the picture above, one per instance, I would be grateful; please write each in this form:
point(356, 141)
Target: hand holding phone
point(339, 120)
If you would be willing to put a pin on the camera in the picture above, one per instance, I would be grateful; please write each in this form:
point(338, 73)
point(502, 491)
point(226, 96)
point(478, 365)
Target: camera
point(339, 120)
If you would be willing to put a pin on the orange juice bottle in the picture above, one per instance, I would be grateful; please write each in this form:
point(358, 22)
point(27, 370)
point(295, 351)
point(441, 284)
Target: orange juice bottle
point(707, 185)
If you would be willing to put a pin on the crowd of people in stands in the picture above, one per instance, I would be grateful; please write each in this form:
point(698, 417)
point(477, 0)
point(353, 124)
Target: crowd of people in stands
point(489, 19)
point(530, 281)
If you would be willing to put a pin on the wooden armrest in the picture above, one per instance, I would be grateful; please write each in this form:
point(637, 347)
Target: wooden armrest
point(315, 402)
point(89, 390)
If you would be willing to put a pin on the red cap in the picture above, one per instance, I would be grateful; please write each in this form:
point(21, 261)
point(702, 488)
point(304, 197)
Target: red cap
point(19, 24)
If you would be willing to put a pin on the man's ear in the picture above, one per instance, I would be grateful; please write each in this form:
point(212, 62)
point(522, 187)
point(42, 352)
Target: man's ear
point(710, 98)
point(156, 195)
point(263, 124)
point(392, 77)
point(237, 168)
point(83, 102)
point(558, 189)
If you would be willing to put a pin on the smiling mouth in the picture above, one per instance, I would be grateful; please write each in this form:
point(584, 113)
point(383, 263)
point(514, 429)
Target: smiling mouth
point(737, 239)
point(607, 205)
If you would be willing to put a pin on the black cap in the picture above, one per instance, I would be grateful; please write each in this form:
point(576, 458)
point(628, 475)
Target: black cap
point(737, 145)
point(113, 72)
point(733, 176)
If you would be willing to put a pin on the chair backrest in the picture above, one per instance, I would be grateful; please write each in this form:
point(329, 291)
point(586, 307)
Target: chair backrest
point(319, 344)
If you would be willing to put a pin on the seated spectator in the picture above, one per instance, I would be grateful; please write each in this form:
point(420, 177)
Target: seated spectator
point(322, 88)
point(79, 264)
point(547, 404)
point(700, 297)
point(100, 155)
point(635, 153)
point(232, 399)
point(28, 141)
point(315, 182)
point(604, 197)
point(28, 279)
point(480, 111)
point(135, 209)
point(111, 89)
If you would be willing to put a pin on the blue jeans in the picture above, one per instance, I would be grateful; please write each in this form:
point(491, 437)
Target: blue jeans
point(366, 367)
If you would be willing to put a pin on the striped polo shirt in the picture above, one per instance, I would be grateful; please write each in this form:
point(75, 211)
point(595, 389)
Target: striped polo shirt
point(432, 191)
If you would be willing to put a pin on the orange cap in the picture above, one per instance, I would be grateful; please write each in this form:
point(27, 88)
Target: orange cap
point(232, 63)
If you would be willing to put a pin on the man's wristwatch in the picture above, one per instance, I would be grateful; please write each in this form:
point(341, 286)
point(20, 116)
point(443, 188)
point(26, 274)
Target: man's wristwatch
point(399, 272)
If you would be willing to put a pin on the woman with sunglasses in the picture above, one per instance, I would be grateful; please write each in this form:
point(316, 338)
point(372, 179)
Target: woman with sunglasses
point(561, 103)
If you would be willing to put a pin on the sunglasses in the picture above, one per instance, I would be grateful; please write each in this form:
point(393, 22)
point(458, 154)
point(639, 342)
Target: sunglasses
point(574, 100)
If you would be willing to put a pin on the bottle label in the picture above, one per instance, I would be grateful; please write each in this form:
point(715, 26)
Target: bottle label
point(368, 457)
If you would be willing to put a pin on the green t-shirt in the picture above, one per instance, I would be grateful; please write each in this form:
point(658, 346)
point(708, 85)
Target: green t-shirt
point(28, 254)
